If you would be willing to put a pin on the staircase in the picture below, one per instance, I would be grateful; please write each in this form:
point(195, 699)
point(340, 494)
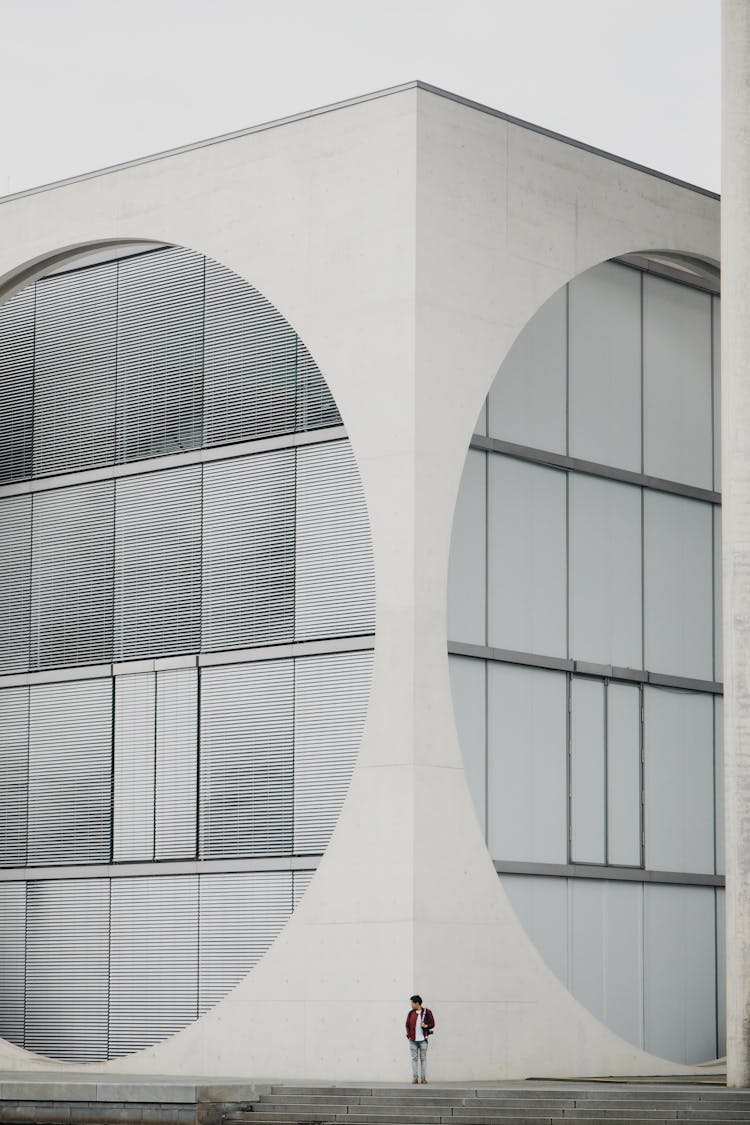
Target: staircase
point(521, 1102)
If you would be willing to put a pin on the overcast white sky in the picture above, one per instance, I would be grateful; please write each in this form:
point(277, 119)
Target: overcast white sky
point(86, 83)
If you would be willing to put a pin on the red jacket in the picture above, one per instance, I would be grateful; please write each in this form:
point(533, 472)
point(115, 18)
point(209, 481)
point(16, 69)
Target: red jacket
point(428, 1023)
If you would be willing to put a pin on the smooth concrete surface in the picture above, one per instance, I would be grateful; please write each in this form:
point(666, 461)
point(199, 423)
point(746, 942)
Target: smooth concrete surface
point(408, 240)
point(735, 469)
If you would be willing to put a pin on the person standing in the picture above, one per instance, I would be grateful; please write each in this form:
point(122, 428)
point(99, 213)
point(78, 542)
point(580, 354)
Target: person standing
point(420, 1023)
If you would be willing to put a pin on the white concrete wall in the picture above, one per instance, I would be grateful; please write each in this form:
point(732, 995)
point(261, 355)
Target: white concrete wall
point(407, 239)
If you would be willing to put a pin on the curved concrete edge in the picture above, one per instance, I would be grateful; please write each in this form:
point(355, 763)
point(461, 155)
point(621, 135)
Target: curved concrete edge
point(451, 228)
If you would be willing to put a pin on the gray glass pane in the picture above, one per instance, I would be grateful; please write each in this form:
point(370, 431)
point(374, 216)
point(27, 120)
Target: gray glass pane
point(248, 551)
point(74, 385)
point(467, 574)
point(70, 772)
point(469, 690)
point(71, 576)
point(330, 705)
point(153, 960)
point(624, 774)
point(67, 947)
point(678, 586)
point(718, 622)
point(542, 908)
point(335, 582)
point(240, 916)
point(527, 558)
point(721, 974)
point(158, 563)
point(719, 782)
point(527, 398)
point(680, 973)
point(677, 434)
point(133, 816)
point(15, 582)
point(14, 775)
point(247, 769)
point(605, 572)
point(16, 385)
point(716, 326)
point(12, 960)
point(587, 772)
point(315, 406)
point(251, 362)
point(159, 354)
point(176, 763)
point(527, 751)
point(679, 780)
point(606, 943)
point(605, 366)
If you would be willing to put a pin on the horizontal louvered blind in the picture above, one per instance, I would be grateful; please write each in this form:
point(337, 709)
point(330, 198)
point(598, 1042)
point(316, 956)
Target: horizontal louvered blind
point(315, 406)
point(135, 721)
point(153, 959)
point(250, 362)
point(248, 551)
point(240, 916)
point(67, 943)
point(74, 382)
point(157, 563)
point(246, 760)
point(300, 882)
point(176, 763)
point(14, 773)
point(15, 582)
point(335, 588)
point(16, 385)
point(12, 960)
point(159, 354)
point(71, 580)
point(70, 772)
point(330, 704)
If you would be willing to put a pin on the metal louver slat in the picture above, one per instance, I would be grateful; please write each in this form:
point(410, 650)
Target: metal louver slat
point(158, 563)
point(135, 720)
point(240, 915)
point(71, 576)
point(248, 551)
point(15, 582)
point(246, 760)
point(74, 385)
point(250, 362)
point(159, 354)
point(300, 882)
point(67, 944)
point(12, 960)
point(70, 772)
point(153, 960)
point(176, 763)
point(335, 590)
point(330, 704)
point(14, 775)
point(316, 408)
point(16, 385)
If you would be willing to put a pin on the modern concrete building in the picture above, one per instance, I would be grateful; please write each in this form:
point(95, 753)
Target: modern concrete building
point(361, 483)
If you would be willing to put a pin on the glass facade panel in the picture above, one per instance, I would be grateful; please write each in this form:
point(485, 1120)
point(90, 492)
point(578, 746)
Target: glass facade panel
point(605, 572)
point(133, 815)
point(587, 772)
point(14, 776)
point(527, 768)
point(605, 366)
point(624, 774)
point(469, 690)
point(677, 426)
point(678, 780)
point(678, 586)
point(467, 575)
point(176, 795)
point(13, 964)
point(16, 385)
point(15, 582)
point(527, 399)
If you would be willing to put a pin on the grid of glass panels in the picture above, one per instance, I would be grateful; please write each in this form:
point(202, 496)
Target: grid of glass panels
point(584, 630)
point(143, 591)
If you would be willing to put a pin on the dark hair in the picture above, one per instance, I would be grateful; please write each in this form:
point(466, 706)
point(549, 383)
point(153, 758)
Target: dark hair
point(416, 999)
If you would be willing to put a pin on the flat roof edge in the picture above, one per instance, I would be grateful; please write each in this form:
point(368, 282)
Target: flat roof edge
point(416, 84)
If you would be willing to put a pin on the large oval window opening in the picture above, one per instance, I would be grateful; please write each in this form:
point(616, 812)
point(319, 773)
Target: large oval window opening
point(188, 621)
point(584, 630)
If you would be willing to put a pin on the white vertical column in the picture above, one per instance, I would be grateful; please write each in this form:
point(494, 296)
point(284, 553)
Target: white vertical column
point(735, 423)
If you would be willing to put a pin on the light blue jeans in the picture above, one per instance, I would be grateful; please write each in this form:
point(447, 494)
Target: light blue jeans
point(418, 1051)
